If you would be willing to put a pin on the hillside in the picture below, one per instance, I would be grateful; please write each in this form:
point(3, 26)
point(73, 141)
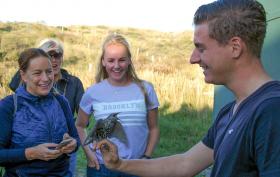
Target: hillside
point(160, 57)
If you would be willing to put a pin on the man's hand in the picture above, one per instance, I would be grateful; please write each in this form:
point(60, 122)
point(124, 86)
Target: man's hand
point(110, 154)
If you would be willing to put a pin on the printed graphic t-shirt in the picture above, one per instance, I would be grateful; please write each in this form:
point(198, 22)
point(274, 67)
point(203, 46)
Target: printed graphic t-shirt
point(102, 99)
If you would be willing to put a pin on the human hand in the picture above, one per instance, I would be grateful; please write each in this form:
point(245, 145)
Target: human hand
point(67, 145)
point(92, 160)
point(110, 154)
point(44, 152)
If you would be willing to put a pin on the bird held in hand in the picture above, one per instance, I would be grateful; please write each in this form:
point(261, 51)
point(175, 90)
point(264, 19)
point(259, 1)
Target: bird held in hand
point(107, 128)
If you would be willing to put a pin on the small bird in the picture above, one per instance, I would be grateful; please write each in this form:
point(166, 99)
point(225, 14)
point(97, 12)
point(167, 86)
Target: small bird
point(106, 128)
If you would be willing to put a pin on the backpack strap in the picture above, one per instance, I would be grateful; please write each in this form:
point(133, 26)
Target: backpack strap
point(15, 103)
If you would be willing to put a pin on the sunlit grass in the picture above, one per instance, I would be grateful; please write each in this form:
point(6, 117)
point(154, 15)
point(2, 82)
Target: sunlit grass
point(160, 58)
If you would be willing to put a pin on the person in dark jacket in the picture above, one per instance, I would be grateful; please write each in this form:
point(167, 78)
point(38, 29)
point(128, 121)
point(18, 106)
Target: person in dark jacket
point(34, 121)
point(66, 84)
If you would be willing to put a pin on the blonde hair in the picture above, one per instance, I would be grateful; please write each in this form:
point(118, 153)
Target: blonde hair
point(131, 74)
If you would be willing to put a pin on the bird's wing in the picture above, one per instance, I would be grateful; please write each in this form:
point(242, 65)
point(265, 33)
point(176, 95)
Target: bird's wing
point(119, 133)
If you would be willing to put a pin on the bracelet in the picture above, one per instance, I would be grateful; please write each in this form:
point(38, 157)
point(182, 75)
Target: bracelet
point(146, 157)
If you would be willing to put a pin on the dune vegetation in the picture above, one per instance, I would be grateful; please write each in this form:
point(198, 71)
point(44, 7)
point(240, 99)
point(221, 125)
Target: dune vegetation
point(161, 58)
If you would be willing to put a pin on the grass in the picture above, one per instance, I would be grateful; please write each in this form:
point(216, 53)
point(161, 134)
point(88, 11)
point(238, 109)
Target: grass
point(182, 129)
point(160, 58)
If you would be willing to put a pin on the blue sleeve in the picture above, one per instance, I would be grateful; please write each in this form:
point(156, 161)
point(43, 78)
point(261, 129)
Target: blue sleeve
point(69, 118)
point(266, 133)
point(208, 139)
point(8, 155)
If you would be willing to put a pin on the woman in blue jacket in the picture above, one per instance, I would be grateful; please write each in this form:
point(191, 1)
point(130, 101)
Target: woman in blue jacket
point(65, 83)
point(34, 121)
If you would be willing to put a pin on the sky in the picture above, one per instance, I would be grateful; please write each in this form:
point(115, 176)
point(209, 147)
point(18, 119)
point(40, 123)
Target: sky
point(161, 15)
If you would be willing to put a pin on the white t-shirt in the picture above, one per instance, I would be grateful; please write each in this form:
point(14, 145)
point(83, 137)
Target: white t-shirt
point(103, 99)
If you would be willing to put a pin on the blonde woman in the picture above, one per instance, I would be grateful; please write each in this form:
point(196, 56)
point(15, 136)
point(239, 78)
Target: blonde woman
point(118, 89)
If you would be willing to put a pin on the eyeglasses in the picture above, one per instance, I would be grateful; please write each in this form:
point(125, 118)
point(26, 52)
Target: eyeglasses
point(55, 55)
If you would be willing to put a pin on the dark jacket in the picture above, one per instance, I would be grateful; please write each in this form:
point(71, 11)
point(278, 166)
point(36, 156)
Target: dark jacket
point(70, 86)
point(37, 120)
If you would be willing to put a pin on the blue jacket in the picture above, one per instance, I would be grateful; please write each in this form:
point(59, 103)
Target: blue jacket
point(37, 120)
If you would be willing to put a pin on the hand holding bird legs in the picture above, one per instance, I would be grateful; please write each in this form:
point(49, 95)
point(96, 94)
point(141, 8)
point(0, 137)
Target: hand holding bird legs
point(110, 154)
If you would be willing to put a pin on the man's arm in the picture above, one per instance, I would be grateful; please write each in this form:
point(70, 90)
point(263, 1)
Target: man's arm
point(187, 164)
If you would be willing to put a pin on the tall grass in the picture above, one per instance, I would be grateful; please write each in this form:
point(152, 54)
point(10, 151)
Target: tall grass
point(160, 58)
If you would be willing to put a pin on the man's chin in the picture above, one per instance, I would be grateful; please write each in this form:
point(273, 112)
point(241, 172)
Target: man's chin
point(209, 81)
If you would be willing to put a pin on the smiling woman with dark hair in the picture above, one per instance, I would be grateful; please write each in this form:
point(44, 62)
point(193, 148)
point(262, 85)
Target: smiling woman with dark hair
point(34, 121)
point(64, 83)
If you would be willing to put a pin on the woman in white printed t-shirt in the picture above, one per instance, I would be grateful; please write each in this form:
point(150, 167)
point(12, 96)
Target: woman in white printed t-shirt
point(118, 89)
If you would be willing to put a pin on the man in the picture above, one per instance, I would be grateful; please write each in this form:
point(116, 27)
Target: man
point(244, 140)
